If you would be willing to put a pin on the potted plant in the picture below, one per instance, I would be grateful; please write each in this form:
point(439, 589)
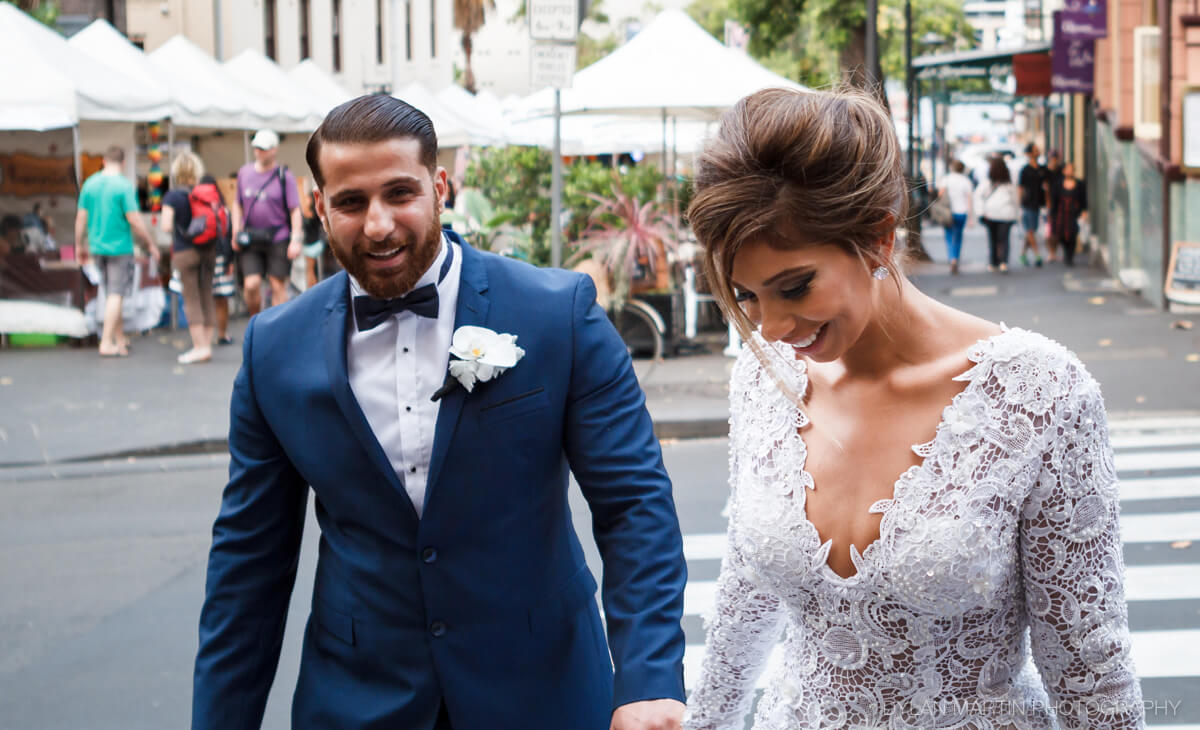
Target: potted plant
point(631, 239)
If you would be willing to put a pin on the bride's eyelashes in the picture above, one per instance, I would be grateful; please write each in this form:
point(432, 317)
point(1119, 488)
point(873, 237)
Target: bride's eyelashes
point(742, 296)
point(798, 287)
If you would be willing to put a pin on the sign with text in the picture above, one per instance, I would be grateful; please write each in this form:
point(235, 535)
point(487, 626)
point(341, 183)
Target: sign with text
point(1084, 20)
point(980, 97)
point(1073, 62)
point(553, 20)
point(552, 64)
point(1183, 274)
point(24, 175)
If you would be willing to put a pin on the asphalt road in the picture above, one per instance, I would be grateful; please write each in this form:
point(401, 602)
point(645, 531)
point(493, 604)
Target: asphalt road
point(101, 580)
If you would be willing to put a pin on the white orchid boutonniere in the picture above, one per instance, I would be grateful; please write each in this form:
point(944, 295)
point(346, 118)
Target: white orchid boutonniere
point(481, 356)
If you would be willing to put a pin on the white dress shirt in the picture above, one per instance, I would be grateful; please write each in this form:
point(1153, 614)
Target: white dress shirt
point(396, 367)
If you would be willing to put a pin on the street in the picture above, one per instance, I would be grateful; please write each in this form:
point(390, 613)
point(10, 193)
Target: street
point(103, 582)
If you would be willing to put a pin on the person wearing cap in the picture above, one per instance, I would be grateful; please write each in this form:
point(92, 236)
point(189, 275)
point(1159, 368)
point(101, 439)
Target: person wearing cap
point(267, 223)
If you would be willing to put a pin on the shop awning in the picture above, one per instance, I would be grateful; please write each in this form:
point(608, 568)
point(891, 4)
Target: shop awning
point(977, 63)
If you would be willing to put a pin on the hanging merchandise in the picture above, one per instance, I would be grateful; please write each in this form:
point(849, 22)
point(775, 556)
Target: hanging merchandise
point(155, 151)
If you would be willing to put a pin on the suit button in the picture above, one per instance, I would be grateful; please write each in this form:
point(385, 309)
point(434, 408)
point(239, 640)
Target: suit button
point(437, 628)
point(429, 555)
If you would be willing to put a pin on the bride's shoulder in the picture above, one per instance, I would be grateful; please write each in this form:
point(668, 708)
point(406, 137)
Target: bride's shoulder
point(761, 362)
point(1028, 367)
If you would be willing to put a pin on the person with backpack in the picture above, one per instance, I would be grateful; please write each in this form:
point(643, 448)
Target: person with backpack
point(197, 220)
point(265, 209)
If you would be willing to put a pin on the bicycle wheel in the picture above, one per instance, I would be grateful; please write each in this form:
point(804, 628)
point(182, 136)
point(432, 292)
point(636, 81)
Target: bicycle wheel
point(637, 323)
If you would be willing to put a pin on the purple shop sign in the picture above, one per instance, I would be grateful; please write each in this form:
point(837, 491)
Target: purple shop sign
point(1085, 19)
point(1072, 62)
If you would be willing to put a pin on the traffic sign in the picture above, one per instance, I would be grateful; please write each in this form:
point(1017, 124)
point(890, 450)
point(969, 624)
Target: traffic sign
point(553, 20)
point(552, 64)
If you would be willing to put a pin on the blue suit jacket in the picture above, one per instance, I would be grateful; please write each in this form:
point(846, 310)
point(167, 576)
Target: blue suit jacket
point(485, 602)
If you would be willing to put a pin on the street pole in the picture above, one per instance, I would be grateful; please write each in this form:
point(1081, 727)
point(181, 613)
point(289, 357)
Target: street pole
point(910, 89)
point(872, 50)
point(556, 184)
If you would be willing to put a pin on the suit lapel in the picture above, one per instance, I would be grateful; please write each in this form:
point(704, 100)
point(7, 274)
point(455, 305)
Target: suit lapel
point(471, 309)
point(334, 339)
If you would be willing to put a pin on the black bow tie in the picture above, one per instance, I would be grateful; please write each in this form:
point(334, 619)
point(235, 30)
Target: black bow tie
point(370, 312)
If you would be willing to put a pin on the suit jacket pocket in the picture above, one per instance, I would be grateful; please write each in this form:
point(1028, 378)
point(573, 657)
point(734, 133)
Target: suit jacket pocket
point(518, 405)
point(566, 599)
point(336, 623)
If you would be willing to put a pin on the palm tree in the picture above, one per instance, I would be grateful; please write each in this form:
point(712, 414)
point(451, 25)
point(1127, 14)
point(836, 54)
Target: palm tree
point(468, 18)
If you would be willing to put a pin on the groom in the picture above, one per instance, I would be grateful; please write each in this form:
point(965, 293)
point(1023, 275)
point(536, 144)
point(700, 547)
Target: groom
point(451, 590)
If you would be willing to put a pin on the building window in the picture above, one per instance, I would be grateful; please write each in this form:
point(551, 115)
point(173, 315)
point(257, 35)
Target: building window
point(337, 36)
point(1146, 83)
point(433, 28)
point(408, 30)
point(379, 32)
point(269, 29)
point(305, 19)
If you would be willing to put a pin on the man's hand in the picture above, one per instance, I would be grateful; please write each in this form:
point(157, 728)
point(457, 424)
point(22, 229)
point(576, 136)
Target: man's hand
point(294, 248)
point(649, 715)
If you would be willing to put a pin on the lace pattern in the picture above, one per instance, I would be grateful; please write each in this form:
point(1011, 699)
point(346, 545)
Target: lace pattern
point(993, 597)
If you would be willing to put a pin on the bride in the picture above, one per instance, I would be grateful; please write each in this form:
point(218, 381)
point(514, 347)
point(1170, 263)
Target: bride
point(924, 504)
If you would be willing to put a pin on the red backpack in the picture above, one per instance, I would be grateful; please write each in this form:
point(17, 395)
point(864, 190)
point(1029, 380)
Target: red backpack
point(210, 219)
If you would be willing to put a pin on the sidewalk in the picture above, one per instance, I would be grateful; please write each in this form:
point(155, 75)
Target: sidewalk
point(66, 404)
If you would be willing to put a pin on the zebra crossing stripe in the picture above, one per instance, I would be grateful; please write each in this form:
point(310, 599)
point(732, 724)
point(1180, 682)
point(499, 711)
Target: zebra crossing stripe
point(1142, 440)
point(1149, 460)
point(1133, 490)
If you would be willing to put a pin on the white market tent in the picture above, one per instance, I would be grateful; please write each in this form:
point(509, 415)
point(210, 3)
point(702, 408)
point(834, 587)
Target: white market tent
point(268, 80)
point(482, 111)
point(208, 86)
point(103, 93)
point(192, 104)
point(673, 67)
point(326, 91)
point(37, 99)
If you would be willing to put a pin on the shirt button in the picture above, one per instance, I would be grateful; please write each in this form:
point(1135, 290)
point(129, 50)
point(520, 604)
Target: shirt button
point(412, 470)
point(408, 408)
point(406, 349)
point(429, 555)
point(437, 628)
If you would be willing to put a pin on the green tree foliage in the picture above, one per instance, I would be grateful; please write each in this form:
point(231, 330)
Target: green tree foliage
point(516, 181)
point(822, 42)
point(44, 11)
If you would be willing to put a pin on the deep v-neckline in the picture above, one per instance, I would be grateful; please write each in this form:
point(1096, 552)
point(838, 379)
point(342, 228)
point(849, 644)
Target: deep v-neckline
point(862, 560)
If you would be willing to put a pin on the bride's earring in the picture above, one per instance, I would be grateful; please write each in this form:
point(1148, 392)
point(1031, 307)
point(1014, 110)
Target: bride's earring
point(881, 273)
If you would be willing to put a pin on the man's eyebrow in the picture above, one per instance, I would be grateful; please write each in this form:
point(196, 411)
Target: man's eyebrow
point(400, 180)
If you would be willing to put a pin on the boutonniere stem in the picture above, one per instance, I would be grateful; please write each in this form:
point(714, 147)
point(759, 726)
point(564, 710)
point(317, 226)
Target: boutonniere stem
point(479, 355)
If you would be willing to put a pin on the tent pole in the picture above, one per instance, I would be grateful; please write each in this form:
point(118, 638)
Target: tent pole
point(245, 145)
point(663, 193)
point(78, 155)
point(556, 185)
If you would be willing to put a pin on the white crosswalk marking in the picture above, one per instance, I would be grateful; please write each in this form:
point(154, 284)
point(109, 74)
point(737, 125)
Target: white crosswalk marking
point(1154, 586)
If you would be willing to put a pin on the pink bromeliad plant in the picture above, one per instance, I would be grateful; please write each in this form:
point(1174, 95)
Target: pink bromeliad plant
point(623, 231)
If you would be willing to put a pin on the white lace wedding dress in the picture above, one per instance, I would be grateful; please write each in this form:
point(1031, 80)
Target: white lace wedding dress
point(997, 576)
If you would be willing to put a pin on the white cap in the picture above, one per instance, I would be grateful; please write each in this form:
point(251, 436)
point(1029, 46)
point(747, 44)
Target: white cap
point(265, 139)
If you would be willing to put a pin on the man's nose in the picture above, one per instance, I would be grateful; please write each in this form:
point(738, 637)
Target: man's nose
point(379, 223)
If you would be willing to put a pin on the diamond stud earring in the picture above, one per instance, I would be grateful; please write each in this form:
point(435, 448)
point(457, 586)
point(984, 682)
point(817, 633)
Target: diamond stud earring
point(881, 273)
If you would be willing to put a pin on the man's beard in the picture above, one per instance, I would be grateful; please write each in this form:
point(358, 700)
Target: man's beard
point(390, 284)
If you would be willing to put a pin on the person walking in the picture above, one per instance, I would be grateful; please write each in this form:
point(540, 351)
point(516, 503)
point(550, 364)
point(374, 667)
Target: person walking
point(957, 188)
point(193, 257)
point(1032, 182)
point(451, 589)
point(224, 281)
point(996, 200)
point(1072, 204)
point(1053, 186)
point(268, 229)
point(105, 225)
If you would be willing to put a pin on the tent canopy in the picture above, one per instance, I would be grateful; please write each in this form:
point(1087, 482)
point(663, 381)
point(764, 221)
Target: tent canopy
point(326, 92)
point(103, 93)
point(268, 80)
point(39, 97)
point(672, 66)
point(452, 129)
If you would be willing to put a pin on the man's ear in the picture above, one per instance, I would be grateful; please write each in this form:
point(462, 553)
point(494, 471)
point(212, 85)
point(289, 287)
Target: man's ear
point(319, 209)
point(440, 186)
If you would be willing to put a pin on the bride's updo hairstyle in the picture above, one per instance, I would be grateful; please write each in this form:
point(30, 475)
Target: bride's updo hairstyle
point(793, 169)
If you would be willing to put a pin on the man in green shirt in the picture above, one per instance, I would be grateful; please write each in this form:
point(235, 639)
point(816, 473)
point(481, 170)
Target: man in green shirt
point(104, 226)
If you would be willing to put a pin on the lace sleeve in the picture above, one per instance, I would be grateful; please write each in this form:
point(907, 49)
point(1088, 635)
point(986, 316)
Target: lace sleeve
point(746, 621)
point(1074, 569)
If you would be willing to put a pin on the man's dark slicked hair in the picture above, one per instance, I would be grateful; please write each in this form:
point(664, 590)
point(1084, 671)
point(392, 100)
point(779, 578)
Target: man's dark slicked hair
point(369, 119)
